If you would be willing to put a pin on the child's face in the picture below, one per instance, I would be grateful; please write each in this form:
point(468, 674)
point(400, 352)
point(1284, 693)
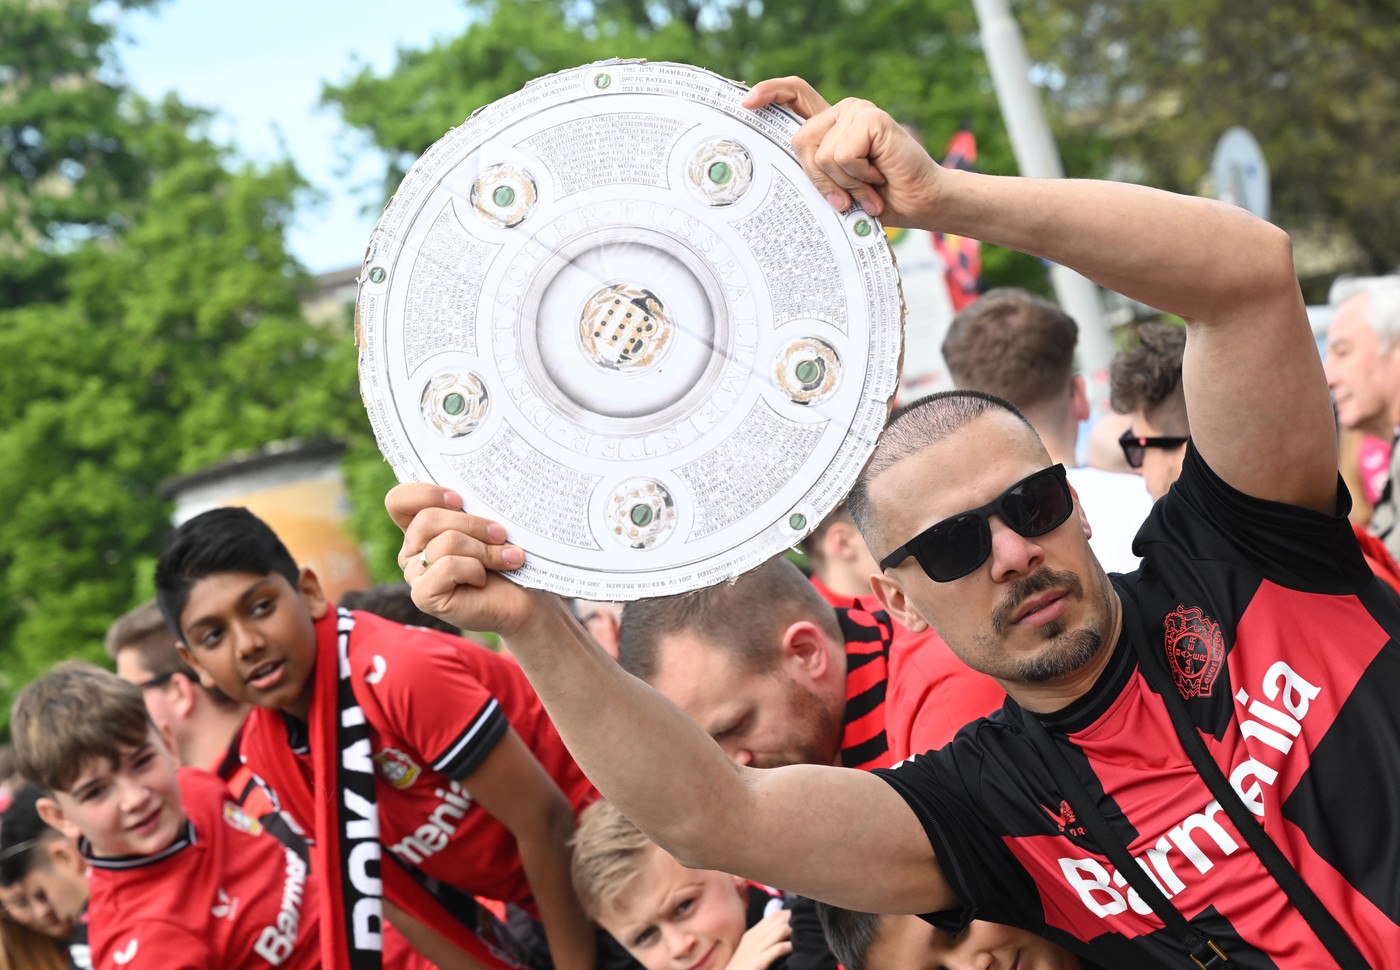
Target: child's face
point(253, 636)
point(56, 890)
point(908, 943)
point(129, 808)
point(674, 918)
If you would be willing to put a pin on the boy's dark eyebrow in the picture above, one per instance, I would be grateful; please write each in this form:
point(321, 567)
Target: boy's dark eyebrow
point(252, 590)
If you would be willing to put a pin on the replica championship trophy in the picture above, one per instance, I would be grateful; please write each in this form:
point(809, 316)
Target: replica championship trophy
point(614, 314)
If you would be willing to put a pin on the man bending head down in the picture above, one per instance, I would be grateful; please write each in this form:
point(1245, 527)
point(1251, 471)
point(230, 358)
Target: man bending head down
point(995, 555)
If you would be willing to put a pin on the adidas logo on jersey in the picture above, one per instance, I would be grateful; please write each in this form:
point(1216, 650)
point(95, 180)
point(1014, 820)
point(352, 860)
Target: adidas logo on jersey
point(1276, 728)
point(224, 906)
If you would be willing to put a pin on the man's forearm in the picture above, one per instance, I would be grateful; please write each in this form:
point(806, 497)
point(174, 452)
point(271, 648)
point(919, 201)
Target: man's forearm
point(628, 738)
point(1192, 257)
point(570, 934)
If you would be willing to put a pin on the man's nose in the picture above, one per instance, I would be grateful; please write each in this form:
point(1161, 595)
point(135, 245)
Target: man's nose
point(1012, 553)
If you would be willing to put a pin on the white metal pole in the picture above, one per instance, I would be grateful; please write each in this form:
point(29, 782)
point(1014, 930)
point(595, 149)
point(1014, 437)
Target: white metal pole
point(1037, 157)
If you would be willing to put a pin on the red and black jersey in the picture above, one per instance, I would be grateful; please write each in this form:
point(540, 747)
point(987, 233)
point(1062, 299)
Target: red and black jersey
point(906, 691)
point(1280, 639)
point(864, 743)
point(436, 706)
point(223, 894)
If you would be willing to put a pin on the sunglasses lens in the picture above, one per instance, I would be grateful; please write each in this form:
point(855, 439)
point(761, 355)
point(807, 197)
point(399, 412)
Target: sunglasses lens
point(1037, 505)
point(1132, 451)
point(955, 548)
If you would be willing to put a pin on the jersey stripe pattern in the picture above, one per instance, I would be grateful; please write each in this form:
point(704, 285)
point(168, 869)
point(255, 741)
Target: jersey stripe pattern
point(864, 742)
point(1281, 642)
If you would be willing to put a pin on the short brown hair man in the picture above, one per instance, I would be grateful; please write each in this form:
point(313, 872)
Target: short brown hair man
point(201, 722)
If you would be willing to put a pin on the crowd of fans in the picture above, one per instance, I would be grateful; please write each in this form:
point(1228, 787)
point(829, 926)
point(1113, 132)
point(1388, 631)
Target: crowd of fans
point(273, 779)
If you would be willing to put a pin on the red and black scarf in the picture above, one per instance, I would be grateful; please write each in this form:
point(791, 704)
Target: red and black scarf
point(340, 803)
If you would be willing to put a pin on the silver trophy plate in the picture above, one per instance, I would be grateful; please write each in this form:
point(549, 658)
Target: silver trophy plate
point(613, 313)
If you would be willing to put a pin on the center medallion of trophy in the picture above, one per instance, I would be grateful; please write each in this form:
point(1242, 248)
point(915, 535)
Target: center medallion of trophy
point(625, 327)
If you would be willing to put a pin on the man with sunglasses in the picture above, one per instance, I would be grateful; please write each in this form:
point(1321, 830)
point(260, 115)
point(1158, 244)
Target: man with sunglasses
point(1145, 382)
point(202, 723)
point(1079, 811)
point(1020, 347)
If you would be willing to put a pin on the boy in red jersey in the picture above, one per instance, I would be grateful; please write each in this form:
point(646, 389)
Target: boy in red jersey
point(181, 878)
point(470, 788)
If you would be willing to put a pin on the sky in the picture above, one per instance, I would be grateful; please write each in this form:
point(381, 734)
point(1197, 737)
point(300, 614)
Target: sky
point(260, 65)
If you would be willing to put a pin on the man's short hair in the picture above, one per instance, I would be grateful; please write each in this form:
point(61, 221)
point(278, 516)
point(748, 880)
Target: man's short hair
point(143, 631)
point(911, 429)
point(23, 835)
point(1147, 378)
point(73, 714)
point(1384, 315)
point(609, 852)
point(744, 618)
point(848, 934)
point(226, 540)
point(1013, 344)
point(394, 601)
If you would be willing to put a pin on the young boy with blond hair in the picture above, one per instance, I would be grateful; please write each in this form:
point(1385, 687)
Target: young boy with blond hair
point(669, 917)
point(180, 877)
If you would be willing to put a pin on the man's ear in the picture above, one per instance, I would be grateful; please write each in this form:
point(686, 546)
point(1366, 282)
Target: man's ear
point(194, 665)
point(53, 817)
point(1079, 511)
point(891, 596)
point(1079, 399)
point(839, 540)
point(806, 643)
point(185, 691)
point(64, 855)
point(310, 589)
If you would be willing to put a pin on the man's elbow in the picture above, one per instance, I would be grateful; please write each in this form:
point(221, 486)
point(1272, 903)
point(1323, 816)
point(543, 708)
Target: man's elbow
point(1273, 259)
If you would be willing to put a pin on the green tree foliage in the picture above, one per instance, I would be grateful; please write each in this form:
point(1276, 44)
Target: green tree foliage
point(920, 59)
point(161, 332)
point(1315, 82)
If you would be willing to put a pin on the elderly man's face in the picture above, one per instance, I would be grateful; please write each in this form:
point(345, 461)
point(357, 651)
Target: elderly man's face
point(1363, 374)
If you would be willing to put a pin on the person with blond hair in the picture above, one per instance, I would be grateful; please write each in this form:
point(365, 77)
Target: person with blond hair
point(669, 917)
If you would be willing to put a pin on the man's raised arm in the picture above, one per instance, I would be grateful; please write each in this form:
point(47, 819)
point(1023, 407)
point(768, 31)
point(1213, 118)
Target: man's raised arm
point(1255, 390)
point(834, 834)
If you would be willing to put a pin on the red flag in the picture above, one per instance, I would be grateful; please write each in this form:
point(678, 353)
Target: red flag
point(962, 257)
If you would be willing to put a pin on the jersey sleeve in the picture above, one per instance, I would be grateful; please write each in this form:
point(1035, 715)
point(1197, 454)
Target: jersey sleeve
point(1203, 518)
point(150, 945)
point(433, 699)
point(987, 879)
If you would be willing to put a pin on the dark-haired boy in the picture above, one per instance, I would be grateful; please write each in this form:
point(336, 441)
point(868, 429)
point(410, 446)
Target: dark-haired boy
point(864, 941)
point(181, 878)
point(449, 761)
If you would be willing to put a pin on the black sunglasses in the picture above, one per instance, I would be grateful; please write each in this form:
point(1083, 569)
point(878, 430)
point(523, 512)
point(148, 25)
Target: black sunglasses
point(954, 547)
point(1135, 447)
point(157, 681)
